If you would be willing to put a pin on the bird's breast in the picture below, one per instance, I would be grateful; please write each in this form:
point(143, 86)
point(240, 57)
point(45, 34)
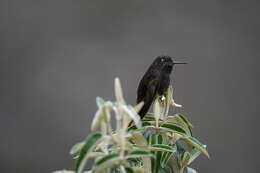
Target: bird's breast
point(164, 84)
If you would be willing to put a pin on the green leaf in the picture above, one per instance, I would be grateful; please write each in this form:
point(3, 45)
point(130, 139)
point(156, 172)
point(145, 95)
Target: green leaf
point(165, 158)
point(142, 130)
point(133, 161)
point(77, 147)
point(185, 120)
point(194, 154)
point(158, 161)
point(159, 139)
point(149, 117)
point(138, 139)
point(145, 125)
point(131, 128)
point(151, 122)
point(90, 143)
point(177, 119)
point(139, 153)
point(153, 140)
point(129, 170)
point(104, 162)
point(195, 143)
point(137, 157)
point(166, 169)
point(173, 128)
point(162, 147)
point(165, 150)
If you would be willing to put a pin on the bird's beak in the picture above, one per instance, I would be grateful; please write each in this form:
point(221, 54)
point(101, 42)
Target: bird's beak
point(177, 62)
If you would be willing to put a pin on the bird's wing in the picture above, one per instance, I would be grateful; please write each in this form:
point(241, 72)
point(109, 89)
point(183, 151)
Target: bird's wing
point(149, 95)
point(151, 90)
point(147, 81)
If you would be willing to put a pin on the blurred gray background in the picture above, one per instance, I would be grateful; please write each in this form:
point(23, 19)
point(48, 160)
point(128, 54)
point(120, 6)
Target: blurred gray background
point(57, 56)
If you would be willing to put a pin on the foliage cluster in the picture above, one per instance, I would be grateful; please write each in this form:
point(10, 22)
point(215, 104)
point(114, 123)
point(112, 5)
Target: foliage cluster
point(159, 143)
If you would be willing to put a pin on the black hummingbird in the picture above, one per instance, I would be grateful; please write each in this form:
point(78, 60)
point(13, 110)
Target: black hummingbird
point(155, 81)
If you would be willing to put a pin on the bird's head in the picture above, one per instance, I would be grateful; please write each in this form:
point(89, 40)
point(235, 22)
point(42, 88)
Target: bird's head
point(165, 63)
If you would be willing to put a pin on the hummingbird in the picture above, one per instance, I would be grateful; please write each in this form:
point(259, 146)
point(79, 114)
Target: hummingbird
point(155, 81)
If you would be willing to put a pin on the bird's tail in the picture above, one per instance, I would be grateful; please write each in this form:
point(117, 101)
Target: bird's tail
point(144, 109)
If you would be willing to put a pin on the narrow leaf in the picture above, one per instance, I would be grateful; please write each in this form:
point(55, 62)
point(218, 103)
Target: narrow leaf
point(129, 170)
point(90, 143)
point(153, 140)
point(162, 147)
point(178, 120)
point(104, 162)
point(195, 143)
point(139, 152)
point(165, 158)
point(139, 139)
point(77, 147)
point(194, 154)
point(185, 120)
point(172, 128)
point(149, 116)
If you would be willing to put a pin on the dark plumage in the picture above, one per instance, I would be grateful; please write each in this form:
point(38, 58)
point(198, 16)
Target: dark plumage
point(155, 81)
